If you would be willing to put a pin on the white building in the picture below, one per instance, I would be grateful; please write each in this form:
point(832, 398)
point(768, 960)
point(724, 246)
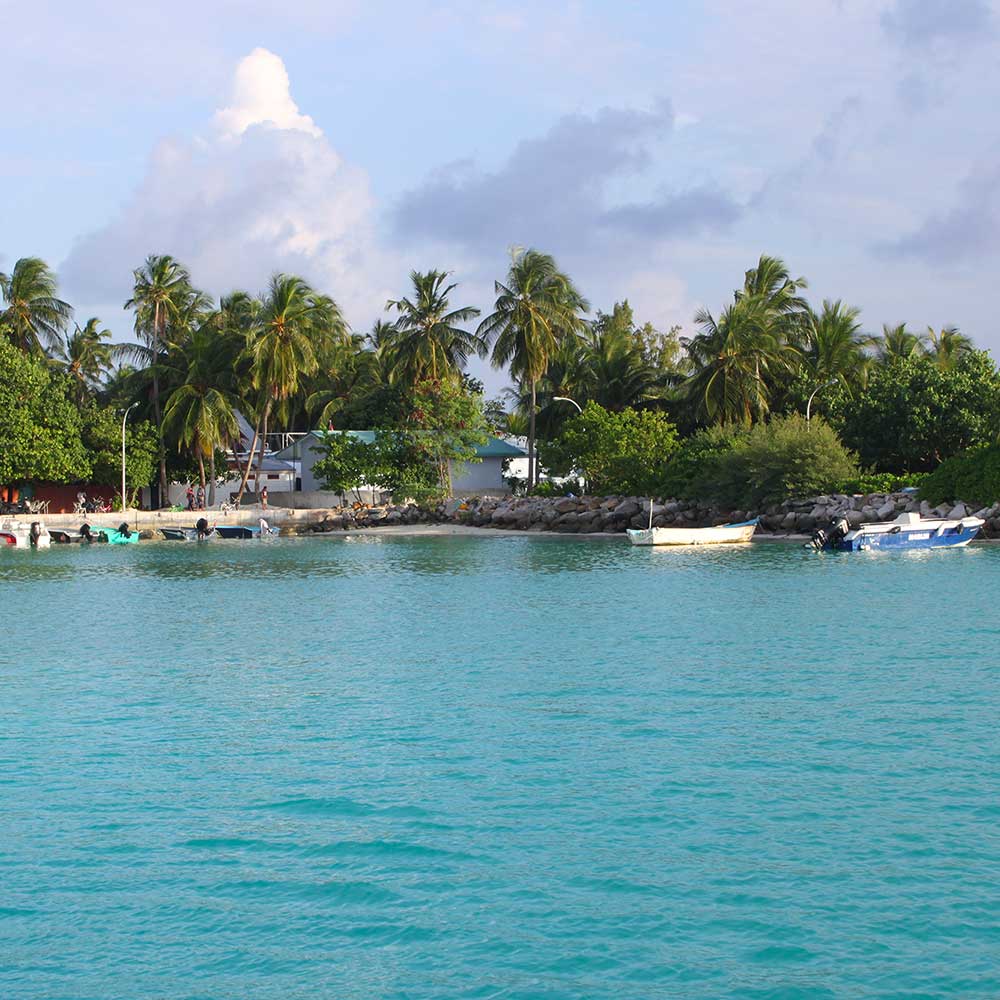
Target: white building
point(468, 478)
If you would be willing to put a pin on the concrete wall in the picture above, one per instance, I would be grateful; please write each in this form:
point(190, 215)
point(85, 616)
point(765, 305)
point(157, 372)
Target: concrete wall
point(319, 499)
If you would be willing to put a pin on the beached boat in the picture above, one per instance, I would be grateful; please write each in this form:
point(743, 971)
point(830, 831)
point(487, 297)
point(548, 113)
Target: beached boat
point(187, 534)
point(908, 531)
point(720, 534)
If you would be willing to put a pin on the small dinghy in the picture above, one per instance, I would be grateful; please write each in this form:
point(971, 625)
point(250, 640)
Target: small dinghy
point(908, 531)
point(237, 531)
point(118, 536)
point(720, 534)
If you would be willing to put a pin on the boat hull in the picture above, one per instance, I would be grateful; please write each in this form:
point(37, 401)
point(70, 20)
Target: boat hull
point(722, 534)
point(115, 537)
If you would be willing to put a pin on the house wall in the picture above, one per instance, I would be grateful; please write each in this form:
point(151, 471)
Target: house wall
point(469, 477)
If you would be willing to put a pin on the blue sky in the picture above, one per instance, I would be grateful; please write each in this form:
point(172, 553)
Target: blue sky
point(655, 148)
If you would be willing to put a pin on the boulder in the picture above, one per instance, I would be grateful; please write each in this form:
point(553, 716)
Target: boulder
point(566, 505)
point(957, 512)
point(887, 511)
point(789, 521)
point(854, 518)
point(926, 510)
point(626, 509)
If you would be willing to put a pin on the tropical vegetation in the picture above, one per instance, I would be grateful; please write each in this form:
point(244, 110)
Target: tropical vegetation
point(215, 384)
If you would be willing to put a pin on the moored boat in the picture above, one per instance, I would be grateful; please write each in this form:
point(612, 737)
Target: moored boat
point(237, 531)
point(20, 535)
point(720, 534)
point(908, 531)
point(118, 536)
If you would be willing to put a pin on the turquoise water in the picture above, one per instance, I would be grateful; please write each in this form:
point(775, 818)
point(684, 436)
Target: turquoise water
point(498, 768)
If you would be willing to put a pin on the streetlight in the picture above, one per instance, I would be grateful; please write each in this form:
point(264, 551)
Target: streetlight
point(566, 399)
point(832, 381)
point(124, 418)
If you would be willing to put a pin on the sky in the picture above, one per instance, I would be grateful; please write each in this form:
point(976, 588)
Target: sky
point(655, 149)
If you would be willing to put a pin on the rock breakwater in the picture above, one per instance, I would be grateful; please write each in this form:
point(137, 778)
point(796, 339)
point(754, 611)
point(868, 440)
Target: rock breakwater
point(615, 514)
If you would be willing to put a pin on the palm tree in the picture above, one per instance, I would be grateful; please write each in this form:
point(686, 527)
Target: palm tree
point(535, 309)
point(427, 340)
point(832, 345)
point(897, 342)
point(34, 317)
point(737, 358)
point(615, 373)
point(294, 325)
point(947, 345)
point(85, 358)
point(202, 408)
point(162, 292)
point(733, 358)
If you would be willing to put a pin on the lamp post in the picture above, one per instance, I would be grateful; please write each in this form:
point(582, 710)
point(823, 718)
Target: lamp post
point(566, 399)
point(124, 418)
point(810, 402)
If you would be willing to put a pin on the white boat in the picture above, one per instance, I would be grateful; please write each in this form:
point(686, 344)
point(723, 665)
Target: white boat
point(23, 536)
point(720, 534)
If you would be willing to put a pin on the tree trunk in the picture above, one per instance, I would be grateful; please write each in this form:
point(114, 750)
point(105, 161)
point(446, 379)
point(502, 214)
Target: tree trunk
point(211, 479)
point(532, 463)
point(157, 335)
point(263, 446)
point(250, 454)
point(201, 468)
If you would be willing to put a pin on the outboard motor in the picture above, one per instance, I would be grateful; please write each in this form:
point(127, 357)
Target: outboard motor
point(34, 533)
point(123, 529)
point(832, 536)
point(86, 535)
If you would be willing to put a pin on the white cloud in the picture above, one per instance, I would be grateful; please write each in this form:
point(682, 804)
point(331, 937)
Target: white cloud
point(262, 96)
point(264, 191)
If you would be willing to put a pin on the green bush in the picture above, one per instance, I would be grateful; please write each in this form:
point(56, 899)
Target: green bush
point(788, 457)
point(695, 464)
point(880, 482)
point(615, 452)
point(972, 476)
point(548, 488)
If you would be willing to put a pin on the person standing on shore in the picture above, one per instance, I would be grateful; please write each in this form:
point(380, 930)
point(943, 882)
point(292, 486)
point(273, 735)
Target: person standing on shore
point(190, 497)
point(263, 498)
point(200, 502)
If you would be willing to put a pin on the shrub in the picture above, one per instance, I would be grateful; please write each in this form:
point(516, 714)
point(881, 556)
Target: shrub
point(787, 457)
point(973, 475)
point(695, 463)
point(880, 482)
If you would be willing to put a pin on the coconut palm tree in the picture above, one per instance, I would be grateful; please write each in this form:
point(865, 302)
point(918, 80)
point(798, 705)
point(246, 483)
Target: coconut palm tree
point(831, 347)
point(427, 339)
point(85, 357)
point(33, 317)
point(536, 307)
point(161, 294)
point(734, 358)
point(201, 409)
point(294, 325)
point(947, 345)
point(896, 342)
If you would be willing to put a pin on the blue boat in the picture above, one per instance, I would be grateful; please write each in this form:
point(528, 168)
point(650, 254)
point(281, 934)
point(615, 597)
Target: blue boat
point(908, 531)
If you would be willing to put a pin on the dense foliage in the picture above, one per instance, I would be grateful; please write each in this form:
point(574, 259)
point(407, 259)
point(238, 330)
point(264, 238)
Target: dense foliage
point(287, 361)
point(786, 457)
point(973, 476)
point(47, 438)
point(623, 452)
point(912, 414)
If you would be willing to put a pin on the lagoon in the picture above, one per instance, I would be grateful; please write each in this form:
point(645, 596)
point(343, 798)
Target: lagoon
point(498, 767)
